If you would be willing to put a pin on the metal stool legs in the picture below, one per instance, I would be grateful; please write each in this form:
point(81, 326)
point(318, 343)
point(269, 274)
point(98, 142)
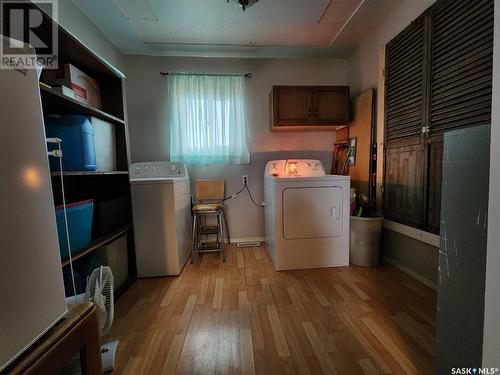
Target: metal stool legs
point(199, 229)
point(226, 228)
point(194, 247)
point(220, 235)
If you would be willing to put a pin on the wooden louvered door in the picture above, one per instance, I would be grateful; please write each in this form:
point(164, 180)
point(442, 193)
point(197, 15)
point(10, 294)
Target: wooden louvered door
point(438, 78)
point(462, 61)
point(461, 81)
point(405, 117)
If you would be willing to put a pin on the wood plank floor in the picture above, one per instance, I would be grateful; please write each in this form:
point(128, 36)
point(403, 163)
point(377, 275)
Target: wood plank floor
point(243, 317)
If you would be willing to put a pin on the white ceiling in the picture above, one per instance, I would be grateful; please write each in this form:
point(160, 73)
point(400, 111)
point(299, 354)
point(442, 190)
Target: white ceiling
point(270, 28)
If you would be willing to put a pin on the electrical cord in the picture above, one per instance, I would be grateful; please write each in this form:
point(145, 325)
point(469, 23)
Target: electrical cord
point(66, 219)
point(245, 187)
point(234, 195)
point(250, 195)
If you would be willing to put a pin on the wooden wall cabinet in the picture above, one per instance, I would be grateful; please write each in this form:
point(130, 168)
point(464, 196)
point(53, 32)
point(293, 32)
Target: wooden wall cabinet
point(309, 107)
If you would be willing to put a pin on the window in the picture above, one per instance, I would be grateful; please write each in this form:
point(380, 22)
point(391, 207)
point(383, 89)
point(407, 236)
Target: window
point(208, 119)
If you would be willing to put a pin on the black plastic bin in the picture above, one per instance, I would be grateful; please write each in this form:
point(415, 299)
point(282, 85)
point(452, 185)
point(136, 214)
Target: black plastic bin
point(111, 215)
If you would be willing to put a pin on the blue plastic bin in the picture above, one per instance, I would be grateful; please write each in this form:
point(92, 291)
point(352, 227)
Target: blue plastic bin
point(79, 226)
point(77, 134)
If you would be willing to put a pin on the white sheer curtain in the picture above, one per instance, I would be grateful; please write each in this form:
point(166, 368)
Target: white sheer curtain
point(208, 119)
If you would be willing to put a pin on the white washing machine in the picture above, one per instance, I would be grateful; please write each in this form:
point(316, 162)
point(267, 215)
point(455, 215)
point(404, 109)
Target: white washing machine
point(307, 215)
point(161, 207)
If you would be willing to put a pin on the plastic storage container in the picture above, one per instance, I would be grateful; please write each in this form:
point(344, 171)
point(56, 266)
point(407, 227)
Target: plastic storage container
point(77, 134)
point(105, 145)
point(80, 216)
point(111, 215)
point(364, 249)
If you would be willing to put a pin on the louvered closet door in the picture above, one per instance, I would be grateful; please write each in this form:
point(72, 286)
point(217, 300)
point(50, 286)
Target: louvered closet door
point(462, 60)
point(405, 106)
point(461, 81)
point(405, 82)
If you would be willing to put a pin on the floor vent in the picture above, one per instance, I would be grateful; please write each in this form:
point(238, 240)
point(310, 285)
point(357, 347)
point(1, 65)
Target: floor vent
point(248, 244)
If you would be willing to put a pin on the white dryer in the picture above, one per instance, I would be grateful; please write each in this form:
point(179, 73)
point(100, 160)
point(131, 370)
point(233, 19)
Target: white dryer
point(307, 215)
point(161, 208)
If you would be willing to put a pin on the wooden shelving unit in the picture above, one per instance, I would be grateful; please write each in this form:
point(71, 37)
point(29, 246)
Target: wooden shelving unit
point(96, 244)
point(102, 187)
point(89, 173)
point(56, 102)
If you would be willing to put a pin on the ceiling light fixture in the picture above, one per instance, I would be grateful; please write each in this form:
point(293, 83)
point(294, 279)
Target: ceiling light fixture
point(244, 4)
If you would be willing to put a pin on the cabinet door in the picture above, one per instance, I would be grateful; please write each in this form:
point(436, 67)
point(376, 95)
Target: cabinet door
point(293, 105)
point(404, 181)
point(331, 105)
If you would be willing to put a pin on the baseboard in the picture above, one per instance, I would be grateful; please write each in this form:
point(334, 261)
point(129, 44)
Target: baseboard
point(248, 239)
point(411, 273)
point(417, 234)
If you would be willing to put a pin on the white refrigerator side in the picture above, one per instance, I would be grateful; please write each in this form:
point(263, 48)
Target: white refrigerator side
point(31, 281)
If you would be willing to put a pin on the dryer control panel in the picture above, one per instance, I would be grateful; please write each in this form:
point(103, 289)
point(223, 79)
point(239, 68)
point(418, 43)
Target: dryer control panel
point(295, 168)
point(158, 169)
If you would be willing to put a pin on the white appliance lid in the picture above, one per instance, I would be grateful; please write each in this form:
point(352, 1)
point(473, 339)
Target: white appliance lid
point(158, 171)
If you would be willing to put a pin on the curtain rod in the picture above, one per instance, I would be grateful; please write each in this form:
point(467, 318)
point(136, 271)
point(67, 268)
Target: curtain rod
point(246, 75)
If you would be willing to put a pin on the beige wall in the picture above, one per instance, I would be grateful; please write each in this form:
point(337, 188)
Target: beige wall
point(363, 64)
point(421, 261)
point(149, 133)
point(491, 340)
point(78, 24)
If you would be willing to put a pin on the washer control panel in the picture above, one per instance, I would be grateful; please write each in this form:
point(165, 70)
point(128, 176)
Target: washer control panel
point(158, 169)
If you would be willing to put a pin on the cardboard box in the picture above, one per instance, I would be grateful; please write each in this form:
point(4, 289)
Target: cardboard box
point(65, 91)
point(117, 259)
point(86, 88)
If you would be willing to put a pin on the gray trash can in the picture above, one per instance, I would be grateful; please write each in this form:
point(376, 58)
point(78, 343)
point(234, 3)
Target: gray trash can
point(364, 248)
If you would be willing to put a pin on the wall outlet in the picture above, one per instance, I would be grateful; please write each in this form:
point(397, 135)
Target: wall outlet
point(244, 179)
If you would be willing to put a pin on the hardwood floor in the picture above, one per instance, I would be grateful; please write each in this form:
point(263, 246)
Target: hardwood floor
point(243, 317)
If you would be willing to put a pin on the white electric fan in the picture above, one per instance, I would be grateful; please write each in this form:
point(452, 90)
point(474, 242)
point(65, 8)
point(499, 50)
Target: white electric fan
point(100, 291)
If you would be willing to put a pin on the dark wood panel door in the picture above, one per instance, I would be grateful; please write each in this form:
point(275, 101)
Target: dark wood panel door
point(331, 105)
point(404, 181)
point(293, 105)
point(434, 184)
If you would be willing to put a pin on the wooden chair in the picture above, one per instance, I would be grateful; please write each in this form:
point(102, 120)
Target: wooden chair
point(209, 196)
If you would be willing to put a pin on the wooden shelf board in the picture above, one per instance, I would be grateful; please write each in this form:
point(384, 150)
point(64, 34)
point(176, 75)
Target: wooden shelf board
point(89, 173)
point(98, 243)
point(55, 102)
point(301, 128)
